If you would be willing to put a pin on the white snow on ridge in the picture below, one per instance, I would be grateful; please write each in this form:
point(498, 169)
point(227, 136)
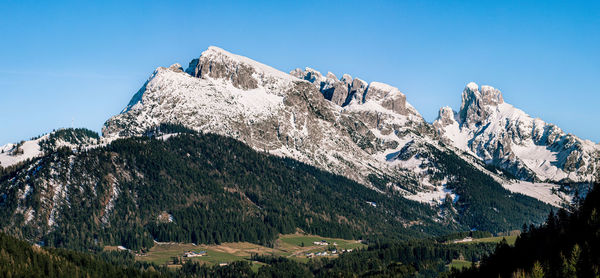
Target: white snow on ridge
point(434, 197)
point(177, 94)
point(459, 139)
point(383, 87)
point(31, 149)
point(257, 100)
point(392, 117)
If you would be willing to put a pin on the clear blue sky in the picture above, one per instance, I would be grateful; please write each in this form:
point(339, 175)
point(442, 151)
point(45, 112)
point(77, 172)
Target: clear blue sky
point(77, 61)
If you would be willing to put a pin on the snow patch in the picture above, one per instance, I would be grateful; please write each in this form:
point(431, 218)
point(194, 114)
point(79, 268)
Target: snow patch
point(31, 149)
point(540, 191)
point(435, 196)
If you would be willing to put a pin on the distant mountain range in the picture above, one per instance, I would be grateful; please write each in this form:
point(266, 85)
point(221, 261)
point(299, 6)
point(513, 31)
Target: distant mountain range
point(488, 166)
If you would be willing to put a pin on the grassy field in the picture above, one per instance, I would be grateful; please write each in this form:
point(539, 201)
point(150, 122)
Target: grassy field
point(307, 240)
point(459, 264)
point(165, 253)
point(496, 239)
point(509, 239)
point(287, 246)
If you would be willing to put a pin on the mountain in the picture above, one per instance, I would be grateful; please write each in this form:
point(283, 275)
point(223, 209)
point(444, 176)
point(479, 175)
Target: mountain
point(349, 127)
point(502, 135)
point(13, 154)
point(273, 111)
point(358, 160)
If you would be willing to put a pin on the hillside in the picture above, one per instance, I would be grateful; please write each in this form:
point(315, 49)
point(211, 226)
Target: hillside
point(192, 188)
point(179, 185)
point(565, 246)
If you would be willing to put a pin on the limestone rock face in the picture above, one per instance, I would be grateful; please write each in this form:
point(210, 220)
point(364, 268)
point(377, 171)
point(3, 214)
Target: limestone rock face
point(445, 117)
point(475, 107)
point(355, 91)
point(390, 97)
point(333, 89)
point(216, 65)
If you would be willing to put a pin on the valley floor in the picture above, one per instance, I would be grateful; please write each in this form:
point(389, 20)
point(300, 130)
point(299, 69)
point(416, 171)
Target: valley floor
point(296, 246)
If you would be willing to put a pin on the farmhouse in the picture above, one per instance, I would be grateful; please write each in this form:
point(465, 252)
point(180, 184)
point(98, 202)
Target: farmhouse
point(191, 254)
point(466, 239)
point(322, 243)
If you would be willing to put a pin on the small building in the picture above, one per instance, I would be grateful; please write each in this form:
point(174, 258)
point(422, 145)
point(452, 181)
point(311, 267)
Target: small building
point(191, 254)
point(466, 239)
point(322, 243)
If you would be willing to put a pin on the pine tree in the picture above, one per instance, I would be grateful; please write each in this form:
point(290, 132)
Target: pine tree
point(569, 265)
point(537, 271)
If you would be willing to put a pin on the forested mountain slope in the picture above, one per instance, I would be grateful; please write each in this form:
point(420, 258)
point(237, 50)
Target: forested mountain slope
point(21, 259)
point(192, 188)
point(179, 185)
point(567, 245)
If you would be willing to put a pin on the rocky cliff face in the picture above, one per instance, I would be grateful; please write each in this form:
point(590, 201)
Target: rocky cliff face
point(505, 136)
point(348, 91)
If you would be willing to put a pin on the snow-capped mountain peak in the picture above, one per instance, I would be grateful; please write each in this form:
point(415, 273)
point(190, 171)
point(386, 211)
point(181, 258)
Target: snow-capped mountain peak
point(475, 102)
point(505, 136)
point(346, 126)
